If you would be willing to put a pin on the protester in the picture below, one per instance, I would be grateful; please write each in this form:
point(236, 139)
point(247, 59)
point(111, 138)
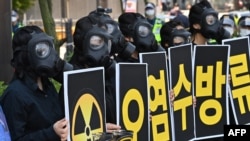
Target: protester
point(30, 102)
point(204, 24)
point(150, 14)
point(15, 21)
point(138, 31)
point(173, 34)
point(92, 49)
point(120, 48)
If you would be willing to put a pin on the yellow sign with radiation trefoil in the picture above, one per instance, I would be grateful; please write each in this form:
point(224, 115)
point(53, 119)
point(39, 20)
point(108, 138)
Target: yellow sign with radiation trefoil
point(84, 97)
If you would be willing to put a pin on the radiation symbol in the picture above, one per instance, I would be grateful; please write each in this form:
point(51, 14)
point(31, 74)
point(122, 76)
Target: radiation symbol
point(84, 122)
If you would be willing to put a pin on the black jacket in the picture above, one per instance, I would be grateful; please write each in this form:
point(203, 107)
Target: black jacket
point(30, 112)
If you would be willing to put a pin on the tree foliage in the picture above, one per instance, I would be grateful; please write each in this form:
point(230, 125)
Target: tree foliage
point(22, 5)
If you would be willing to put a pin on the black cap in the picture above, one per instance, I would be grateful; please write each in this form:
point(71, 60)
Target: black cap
point(83, 25)
point(196, 11)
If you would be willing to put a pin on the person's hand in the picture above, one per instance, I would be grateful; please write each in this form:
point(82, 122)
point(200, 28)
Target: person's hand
point(194, 101)
point(172, 96)
point(61, 129)
point(229, 78)
point(150, 116)
point(112, 127)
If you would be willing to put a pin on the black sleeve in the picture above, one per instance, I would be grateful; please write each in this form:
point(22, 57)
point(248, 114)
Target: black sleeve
point(17, 116)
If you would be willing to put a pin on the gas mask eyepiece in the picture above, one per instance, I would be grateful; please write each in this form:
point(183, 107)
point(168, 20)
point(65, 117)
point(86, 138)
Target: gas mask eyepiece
point(96, 47)
point(211, 19)
point(98, 42)
point(143, 30)
point(42, 49)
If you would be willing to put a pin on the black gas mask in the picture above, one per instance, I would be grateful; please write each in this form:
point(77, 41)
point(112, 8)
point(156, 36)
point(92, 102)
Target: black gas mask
point(96, 47)
point(209, 23)
point(179, 37)
point(144, 39)
point(119, 45)
point(211, 27)
point(43, 57)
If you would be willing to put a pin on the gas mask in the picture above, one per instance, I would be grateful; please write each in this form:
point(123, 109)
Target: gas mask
point(119, 45)
point(96, 47)
point(209, 23)
point(144, 39)
point(179, 36)
point(211, 28)
point(42, 55)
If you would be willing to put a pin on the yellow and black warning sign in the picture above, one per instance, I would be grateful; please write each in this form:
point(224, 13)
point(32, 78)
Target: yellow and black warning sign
point(158, 95)
point(180, 74)
point(239, 67)
point(132, 99)
point(210, 80)
point(84, 102)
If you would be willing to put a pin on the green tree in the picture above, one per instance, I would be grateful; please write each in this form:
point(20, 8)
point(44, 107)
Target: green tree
point(22, 6)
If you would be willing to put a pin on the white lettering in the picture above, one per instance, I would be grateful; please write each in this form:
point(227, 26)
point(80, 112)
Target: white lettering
point(237, 131)
point(243, 131)
point(231, 132)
